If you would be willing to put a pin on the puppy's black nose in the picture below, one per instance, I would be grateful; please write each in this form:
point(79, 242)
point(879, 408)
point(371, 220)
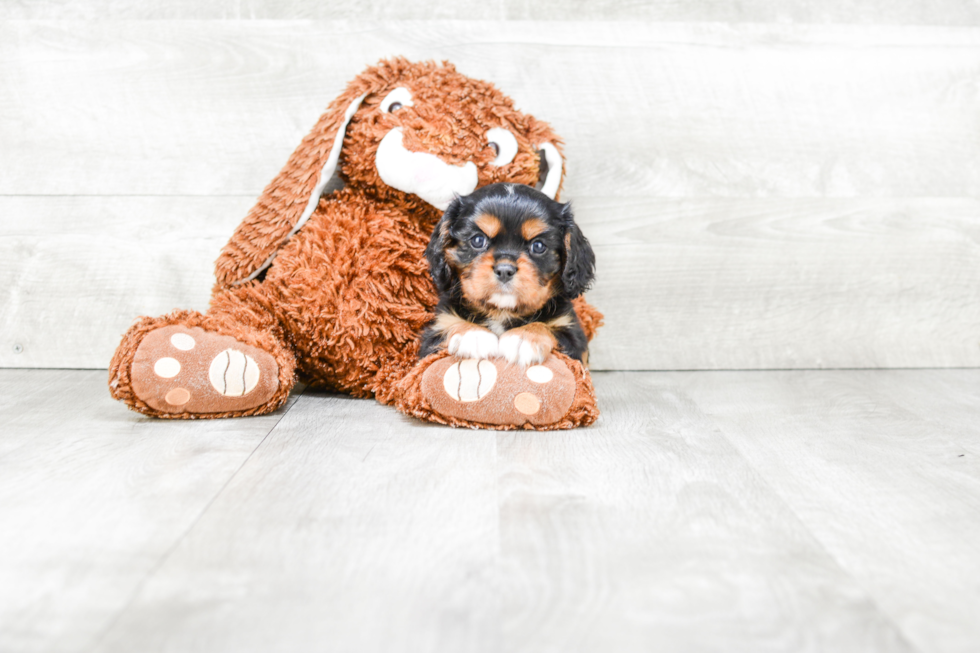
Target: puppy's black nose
point(504, 271)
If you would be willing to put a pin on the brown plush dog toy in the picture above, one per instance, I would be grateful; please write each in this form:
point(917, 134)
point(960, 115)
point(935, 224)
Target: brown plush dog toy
point(327, 276)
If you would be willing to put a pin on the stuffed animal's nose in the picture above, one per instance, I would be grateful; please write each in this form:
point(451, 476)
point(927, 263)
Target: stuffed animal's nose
point(504, 271)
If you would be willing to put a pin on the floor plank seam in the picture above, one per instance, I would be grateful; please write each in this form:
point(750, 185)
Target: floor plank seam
point(170, 550)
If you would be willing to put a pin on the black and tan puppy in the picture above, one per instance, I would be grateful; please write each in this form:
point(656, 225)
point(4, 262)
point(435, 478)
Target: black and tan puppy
point(507, 262)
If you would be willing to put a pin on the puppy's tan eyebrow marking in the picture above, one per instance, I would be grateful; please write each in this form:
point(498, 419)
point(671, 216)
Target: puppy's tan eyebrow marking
point(533, 227)
point(490, 225)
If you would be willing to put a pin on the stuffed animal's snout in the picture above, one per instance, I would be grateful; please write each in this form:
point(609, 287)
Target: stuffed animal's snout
point(422, 173)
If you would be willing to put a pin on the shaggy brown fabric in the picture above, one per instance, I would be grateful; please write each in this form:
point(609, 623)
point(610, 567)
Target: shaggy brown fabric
point(589, 316)
point(346, 296)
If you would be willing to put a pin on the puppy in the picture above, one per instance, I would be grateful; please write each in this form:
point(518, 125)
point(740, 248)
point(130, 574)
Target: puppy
point(507, 262)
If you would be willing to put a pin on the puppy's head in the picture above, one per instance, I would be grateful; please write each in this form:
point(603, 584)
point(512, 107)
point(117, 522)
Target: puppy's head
point(509, 248)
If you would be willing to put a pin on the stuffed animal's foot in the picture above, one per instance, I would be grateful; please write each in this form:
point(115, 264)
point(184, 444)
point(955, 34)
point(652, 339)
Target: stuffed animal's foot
point(497, 394)
point(187, 371)
point(184, 370)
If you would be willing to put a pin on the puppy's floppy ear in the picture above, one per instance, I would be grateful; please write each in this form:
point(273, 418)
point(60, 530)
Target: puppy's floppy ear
point(435, 252)
point(579, 269)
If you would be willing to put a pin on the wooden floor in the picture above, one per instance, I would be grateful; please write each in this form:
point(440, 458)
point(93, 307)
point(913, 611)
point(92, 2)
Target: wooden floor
point(707, 511)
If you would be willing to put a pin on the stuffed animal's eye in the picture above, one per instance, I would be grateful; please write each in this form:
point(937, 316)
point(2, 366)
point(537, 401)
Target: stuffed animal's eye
point(478, 241)
point(504, 145)
point(400, 97)
point(537, 247)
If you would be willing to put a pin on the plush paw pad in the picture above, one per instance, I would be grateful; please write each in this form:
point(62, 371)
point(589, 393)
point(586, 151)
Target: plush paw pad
point(233, 373)
point(189, 370)
point(469, 380)
point(495, 392)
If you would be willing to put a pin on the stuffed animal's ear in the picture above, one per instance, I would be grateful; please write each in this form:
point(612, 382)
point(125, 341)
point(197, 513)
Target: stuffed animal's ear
point(579, 269)
point(435, 252)
point(550, 164)
point(290, 199)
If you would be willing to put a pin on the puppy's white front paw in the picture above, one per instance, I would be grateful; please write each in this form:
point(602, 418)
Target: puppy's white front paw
point(475, 343)
point(524, 352)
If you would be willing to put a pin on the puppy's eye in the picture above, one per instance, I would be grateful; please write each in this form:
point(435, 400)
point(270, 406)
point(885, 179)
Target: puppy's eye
point(503, 144)
point(478, 241)
point(538, 247)
point(398, 98)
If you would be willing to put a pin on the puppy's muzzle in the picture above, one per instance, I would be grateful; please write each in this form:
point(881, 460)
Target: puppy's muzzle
point(504, 271)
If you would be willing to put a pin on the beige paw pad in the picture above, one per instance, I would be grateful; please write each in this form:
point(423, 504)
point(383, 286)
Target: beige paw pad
point(469, 380)
point(527, 403)
point(167, 368)
point(177, 397)
point(233, 373)
point(182, 341)
point(540, 374)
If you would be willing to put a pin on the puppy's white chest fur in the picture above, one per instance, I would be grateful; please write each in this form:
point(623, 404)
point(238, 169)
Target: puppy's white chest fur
point(503, 300)
point(496, 326)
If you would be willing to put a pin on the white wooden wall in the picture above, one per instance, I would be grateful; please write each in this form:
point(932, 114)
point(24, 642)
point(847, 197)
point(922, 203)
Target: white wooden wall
point(785, 185)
